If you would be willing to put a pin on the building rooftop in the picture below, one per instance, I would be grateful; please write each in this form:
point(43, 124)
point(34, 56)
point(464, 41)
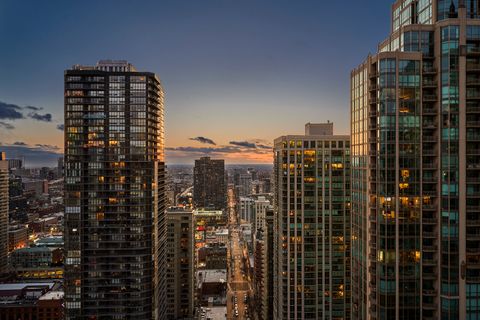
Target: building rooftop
point(52, 295)
point(211, 276)
point(49, 241)
point(203, 212)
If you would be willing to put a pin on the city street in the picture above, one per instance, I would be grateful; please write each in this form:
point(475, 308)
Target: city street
point(238, 285)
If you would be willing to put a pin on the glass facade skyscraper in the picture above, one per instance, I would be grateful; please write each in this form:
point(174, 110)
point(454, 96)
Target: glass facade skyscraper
point(115, 228)
point(3, 213)
point(415, 121)
point(312, 225)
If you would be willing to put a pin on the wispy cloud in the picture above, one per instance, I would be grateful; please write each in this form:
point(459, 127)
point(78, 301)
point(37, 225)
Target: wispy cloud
point(33, 108)
point(6, 125)
point(47, 117)
point(204, 140)
point(61, 127)
point(251, 144)
point(244, 144)
point(19, 143)
point(10, 111)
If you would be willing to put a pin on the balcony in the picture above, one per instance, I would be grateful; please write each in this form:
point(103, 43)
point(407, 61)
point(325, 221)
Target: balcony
point(373, 74)
point(473, 179)
point(429, 220)
point(473, 151)
point(473, 123)
point(430, 192)
point(430, 248)
point(429, 138)
point(429, 207)
point(429, 262)
point(429, 70)
point(373, 100)
point(372, 114)
point(429, 165)
point(429, 292)
point(429, 110)
point(429, 83)
point(473, 82)
point(372, 87)
point(473, 108)
point(430, 97)
point(429, 234)
point(473, 96)
point(473, 67)
point(429, 152)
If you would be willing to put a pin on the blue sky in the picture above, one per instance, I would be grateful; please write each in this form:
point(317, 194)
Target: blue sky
point(233, 71)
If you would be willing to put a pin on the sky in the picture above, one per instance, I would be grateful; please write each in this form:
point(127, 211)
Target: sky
point(237, 73)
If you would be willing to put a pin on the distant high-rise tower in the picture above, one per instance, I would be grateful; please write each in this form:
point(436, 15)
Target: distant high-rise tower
point(312, 225)
point(180, 263)
point(3, 212)
point(114, 193)
point(415, 120)
point(209, 189)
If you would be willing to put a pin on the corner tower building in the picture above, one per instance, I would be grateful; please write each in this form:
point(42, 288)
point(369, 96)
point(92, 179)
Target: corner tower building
point(415, 122)
point(114, 193)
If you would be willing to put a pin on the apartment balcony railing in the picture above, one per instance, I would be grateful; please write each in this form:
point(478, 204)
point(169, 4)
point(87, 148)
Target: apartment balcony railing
point(429, 165)
point(473, 151)
point(473, 109)
point(429, 70)
point(429, 220)
point(430, 248)
point(473, 96)
point(429, 97)
point(473, 82)
point(475, 67)
point(473, 179)
point(429, 138)
point(473, 123)
point(429, 84)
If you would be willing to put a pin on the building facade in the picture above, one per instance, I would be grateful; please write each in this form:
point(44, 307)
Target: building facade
point(312, 225)
point(3, 213)
point(209, 188)
point(415, 115)
point(180, 263)
point(114, 193)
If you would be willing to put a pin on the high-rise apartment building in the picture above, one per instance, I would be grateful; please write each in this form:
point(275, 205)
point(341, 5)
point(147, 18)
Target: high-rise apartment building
point(3, 212)
point(263, 265)
point(114, 193)
point(415, 121)
point(209, 188)
point(312, 225)
point(180, 263)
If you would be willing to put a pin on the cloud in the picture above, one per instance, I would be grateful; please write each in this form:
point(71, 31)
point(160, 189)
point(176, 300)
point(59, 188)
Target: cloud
point(61, 127)
point(6, 125)
point(47, 117)
point(35, 156)
point(204, 140)
point(264, 146)
point(244, 144)
point(10, 111)
point(33, 108)
point(205, 150)
point(47, 147)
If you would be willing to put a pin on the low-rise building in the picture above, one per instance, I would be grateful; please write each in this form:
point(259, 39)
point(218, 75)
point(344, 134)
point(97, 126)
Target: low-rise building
point(40, 301)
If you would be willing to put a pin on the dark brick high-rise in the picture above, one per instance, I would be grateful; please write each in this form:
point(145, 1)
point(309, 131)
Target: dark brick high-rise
point(209, 189)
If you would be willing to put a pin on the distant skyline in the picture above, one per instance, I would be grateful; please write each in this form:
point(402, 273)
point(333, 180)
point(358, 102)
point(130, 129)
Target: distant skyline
point(237, 74)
